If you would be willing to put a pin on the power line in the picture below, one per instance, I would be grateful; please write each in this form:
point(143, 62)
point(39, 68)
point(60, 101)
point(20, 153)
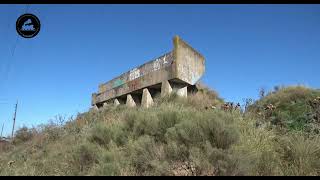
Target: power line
point(7, 70)
point(6, 36)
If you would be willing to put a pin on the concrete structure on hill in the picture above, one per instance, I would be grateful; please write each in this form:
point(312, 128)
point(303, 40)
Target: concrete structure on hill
point(177, 71)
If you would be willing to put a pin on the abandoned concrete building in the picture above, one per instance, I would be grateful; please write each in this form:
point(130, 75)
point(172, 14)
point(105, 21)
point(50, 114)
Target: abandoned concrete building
point(175, 72)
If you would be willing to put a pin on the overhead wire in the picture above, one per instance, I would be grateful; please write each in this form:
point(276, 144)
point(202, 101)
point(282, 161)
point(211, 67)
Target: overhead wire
point(10, 61)
point(13, 50)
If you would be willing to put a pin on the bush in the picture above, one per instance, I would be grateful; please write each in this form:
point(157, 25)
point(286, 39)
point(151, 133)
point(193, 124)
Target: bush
point(293, 110)
point(101, 135)
point(24, 134)
point(111, 163)
point(176, 137)
point(300, 154)
point(197, 128)
point(147, 157)
point(85, 156)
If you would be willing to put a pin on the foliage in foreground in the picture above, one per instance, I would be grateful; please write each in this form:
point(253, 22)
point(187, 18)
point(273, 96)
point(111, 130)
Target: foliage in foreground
point(175, 137)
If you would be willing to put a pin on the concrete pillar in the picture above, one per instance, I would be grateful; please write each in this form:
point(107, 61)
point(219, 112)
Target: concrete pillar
point(105, 104)
point(182, 92)
point(95, 108)
point(147, 100)
point(116, 102)
point(166, 88)
point(130, 102)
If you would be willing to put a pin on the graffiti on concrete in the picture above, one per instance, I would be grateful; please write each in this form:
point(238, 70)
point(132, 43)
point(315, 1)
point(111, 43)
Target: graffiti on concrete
point(189, 73)
point(189, 69)
point(151, 66)
point(162, 61)
point(117, 83)
point(183, 63)
point(156, 65)
point(133, 85)
point(134, 74)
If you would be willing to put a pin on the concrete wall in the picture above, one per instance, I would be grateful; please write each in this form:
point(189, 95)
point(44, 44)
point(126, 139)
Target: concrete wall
point(190, 63)
point(135, 74)
point(183, 66)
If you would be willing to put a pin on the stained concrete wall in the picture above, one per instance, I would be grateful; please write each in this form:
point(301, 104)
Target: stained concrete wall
point(189, 63)
point(183, 66)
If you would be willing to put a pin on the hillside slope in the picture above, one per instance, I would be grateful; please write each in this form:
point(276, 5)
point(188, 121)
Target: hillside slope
point(294, 108)
point(175, 137)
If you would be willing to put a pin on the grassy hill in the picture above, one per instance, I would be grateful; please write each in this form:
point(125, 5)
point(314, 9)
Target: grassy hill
point(296, 108)
point(176, 137)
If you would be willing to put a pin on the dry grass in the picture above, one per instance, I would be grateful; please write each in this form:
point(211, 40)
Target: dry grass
point(174, 137)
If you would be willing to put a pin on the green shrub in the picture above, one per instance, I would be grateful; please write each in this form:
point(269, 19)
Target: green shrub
point(197, 128)
point(85, 156)
point(103, 134)
point(293, 110)
point(300, 154)
point(146, 156)
point(111, 163)
point(177, 136)
point(100, 134)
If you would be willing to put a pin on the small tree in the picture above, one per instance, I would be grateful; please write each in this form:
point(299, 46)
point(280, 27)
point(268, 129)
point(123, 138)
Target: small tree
point(23, 134)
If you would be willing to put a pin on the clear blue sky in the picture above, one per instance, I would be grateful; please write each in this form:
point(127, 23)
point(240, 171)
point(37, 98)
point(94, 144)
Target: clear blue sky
point(79, 46)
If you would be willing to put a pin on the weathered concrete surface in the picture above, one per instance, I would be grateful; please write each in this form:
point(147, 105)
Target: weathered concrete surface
point(130, 102)
point(166, 88)
point(182, 92)
point(95, 108)
point(182, 65)
point(116, 102)
point(147, 100)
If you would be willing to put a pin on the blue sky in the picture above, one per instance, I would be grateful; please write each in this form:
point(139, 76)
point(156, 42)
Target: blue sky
point(79, 46)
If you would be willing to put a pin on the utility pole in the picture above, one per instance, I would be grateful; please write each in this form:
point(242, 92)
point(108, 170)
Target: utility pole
point(14, 119)
point(2, 131)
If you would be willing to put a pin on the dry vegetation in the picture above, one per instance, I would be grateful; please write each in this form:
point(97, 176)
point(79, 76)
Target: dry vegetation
point(176, 137)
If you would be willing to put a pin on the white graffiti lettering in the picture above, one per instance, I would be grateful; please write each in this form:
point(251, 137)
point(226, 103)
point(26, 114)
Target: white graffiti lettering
point(156, 65)
point(134, 74)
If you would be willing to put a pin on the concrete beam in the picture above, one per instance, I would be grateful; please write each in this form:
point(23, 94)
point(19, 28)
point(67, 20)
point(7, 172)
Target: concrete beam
point(182, 92)
point(130, 102)
point(147, 100)
point(166, 88)
point(116, 102)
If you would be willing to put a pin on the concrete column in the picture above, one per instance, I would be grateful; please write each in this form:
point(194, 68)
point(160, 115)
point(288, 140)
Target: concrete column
point(116, 102)
point(166, 88)
point(95, 108)
point(130, 102)
point(182, 92)
point(147, 100)
point(105, 104)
